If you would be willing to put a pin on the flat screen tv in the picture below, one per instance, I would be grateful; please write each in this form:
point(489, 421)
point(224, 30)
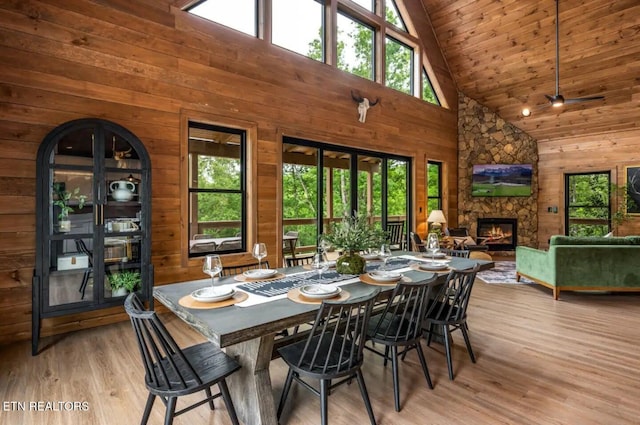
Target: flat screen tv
point(501, 180)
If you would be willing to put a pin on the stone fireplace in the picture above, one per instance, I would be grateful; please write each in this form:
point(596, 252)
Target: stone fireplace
point(485, 138)
point(499, 234)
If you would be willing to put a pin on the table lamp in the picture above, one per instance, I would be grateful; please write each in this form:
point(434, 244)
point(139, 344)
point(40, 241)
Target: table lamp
point(436, 218)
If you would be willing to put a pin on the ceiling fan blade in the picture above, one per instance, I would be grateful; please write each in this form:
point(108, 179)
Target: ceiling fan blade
point(583, 99)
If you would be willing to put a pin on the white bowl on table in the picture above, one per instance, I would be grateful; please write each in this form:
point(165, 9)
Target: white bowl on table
point(320, 292)
point(212, 294)
point(385, 276)
point(260, 273)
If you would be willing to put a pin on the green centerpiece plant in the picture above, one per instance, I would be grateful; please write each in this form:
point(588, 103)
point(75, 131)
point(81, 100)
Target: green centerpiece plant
point(352, 235)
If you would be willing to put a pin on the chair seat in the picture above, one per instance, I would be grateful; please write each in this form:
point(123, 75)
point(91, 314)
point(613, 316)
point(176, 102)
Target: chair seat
point(394, 326)
point(209, 363)
point(291, 354)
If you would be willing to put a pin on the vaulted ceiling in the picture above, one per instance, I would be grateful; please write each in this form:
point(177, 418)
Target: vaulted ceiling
point(502, 54)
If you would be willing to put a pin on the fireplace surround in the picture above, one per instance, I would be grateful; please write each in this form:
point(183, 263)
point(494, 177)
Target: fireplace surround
point(499, 234)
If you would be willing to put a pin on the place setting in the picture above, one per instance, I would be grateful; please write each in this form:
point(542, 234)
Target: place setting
point(259, 275)
point(314, 293)
point(382, 275)
point(213, 296)
point(435, 261)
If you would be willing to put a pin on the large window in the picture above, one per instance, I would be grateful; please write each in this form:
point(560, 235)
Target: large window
point(217, 189)
point(428, 94)
point(588, 207)
point(434, 186)
point(358, 25)
point(399, 66)
point(304, 18)
point(323, 183)
point(355, 47)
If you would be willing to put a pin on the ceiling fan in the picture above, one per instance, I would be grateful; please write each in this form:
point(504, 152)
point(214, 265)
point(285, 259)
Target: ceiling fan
point(558, 99)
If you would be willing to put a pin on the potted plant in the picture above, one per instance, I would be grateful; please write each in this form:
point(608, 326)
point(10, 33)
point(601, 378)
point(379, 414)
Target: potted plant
point(124, 282)
point(62, 200)
point(352, 235)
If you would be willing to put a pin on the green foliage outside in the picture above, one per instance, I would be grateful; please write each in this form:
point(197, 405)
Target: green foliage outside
point(299, 195)
point(434, 193)
point(219, 173)
point(589, 198)
point(359, 61)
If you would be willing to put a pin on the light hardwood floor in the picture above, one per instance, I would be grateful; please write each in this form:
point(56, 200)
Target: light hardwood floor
point(574, 361)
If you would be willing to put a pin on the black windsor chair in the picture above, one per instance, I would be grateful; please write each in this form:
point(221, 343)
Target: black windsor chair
point(333, 350)
point(448, 311)
point(171, 372)
point(400, 325)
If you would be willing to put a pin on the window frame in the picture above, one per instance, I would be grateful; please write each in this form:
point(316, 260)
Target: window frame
point(249, 213)
point(375, 19)
point(587, 221)
point(439, 165)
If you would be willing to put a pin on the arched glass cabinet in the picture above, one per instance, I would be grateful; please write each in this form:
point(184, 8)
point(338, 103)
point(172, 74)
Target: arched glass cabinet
point(93, 220)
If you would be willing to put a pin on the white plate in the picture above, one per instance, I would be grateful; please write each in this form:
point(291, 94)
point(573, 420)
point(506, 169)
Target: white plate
point(213, 294)
point(437, 255)
point(260, 273)
point(371, 256)
point(433, 266)
point(320, 292)
point(384, 276)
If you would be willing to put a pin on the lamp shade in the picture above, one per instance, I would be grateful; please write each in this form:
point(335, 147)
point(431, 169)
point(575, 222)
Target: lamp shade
point(436, 216)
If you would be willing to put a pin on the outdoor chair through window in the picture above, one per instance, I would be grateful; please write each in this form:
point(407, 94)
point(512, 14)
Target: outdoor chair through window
point(418, 245)
point(172, 372)
point(395, 230)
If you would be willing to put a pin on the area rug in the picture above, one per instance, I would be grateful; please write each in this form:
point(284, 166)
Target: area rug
point(503, 272)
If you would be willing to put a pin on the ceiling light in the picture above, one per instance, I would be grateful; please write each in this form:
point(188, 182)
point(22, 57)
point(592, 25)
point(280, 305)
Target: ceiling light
point(557, 101)
point(526, 112)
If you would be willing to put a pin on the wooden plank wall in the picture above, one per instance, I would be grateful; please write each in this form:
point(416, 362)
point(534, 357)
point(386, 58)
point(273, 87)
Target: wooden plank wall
point(142, 64)
point(581, 154)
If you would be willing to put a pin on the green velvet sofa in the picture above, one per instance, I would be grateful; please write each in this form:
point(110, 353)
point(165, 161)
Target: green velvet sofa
point(583, 263)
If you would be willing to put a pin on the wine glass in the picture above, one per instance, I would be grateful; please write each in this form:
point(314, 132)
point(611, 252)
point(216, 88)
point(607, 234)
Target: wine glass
point(324, 246)
point(212, 265)
point(385, 254)
point(433, 244)
point(259, 252)
point(319, 264)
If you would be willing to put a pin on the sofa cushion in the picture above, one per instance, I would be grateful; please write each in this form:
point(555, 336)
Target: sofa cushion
point(592, 240)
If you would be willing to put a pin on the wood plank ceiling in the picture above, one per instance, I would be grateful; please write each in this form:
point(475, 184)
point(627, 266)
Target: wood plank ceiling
point(502, 53)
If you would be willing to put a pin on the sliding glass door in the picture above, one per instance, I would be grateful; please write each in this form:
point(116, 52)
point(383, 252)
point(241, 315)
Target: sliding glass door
point(323, 183)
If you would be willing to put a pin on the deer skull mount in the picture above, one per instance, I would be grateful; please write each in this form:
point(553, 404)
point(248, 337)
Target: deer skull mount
point(363, 104)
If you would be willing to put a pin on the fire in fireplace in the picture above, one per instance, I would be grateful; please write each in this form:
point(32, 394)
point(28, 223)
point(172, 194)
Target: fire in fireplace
point(499, 234)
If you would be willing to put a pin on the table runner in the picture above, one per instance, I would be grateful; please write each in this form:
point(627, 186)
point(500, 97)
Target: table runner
point(272, 288)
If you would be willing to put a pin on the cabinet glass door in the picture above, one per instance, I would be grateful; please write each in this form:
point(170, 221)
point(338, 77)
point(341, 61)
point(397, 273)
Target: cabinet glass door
point(70, 227)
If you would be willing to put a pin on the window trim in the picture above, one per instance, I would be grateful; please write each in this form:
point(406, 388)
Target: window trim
point(250, 202)
point(438, 164)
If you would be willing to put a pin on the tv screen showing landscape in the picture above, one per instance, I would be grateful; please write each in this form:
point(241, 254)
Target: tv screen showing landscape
point(501, 180)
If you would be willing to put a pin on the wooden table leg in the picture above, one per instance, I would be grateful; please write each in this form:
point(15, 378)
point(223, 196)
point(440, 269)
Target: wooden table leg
point(250, 387)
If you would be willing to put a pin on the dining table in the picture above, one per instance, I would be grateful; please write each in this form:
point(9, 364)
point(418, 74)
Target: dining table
point(246, 330)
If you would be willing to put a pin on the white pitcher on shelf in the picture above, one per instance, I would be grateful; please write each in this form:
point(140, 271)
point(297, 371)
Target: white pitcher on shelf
point(122, 190)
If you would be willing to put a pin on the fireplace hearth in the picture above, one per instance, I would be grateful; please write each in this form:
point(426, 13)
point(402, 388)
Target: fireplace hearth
point(499, 234)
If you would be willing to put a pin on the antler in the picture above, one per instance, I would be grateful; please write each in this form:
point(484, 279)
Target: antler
point(356, 96)
point(374, 103)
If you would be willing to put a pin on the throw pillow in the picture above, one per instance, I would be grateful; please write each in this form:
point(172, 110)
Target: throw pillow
point(469, 241)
